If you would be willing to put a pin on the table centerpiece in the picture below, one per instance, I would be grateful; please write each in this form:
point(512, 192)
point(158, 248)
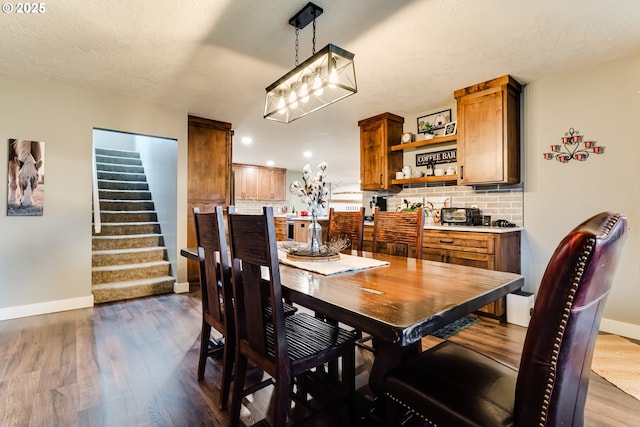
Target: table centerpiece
point(315, 193)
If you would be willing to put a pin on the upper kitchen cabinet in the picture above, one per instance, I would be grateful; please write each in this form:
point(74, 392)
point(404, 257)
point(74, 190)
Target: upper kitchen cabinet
point(259, 183)
point(489, 132)
point(378, 164)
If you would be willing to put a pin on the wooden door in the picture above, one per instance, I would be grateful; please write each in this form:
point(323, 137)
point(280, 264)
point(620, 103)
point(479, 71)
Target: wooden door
point(279, 184)
point(208, 173)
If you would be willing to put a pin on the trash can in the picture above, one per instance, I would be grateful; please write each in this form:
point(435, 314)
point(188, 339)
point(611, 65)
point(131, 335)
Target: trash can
point(519, 308)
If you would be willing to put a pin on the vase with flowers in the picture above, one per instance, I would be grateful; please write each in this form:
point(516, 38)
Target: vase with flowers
point(315, 193)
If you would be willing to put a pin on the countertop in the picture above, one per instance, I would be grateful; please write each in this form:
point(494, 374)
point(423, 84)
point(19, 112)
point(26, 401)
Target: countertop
point(477, 229)
point(300, 217)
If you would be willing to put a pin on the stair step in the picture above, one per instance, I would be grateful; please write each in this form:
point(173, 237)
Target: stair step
point(127, 256)
point(115, 167)
point(124, 194)
point(117, 273)
point(117, 153)
point(128, 228)
point(101, 243)
point(128, 216)
point(123, 185)
point(118, 160)
point(119, 176)
point(132, 289)
point(126, 205)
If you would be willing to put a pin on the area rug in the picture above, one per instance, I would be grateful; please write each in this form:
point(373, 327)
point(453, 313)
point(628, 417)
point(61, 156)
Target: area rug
point(454, 327)
point(617, 360)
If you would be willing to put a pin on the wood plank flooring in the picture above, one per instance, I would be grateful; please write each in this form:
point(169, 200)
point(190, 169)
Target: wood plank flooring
point(134, 363)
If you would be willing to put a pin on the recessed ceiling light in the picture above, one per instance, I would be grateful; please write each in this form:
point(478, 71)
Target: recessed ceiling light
point(269, 162)
point(247, 140)
point(307, 154)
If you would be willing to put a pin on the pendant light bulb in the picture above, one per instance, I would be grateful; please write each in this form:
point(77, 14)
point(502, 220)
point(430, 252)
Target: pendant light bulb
point(333, 74)
point(303, 93)
point(317, 84)
point(282, 104)
point(293, 98)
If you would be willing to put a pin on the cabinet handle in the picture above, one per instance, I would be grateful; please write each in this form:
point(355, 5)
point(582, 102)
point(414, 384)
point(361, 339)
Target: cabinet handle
point(442, 258)
point(448, 242)
point(380, 180)
point(461, 171)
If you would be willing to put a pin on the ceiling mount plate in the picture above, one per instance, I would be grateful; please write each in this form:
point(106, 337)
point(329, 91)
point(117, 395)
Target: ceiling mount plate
point(306, 15)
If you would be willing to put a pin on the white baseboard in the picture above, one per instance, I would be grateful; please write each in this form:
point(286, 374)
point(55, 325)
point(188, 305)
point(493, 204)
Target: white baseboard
point(628, 330)
point(181, 288)
point(45, 307)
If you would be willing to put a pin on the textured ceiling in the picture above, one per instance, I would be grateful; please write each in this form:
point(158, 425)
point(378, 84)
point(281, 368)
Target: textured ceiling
point(214, 58)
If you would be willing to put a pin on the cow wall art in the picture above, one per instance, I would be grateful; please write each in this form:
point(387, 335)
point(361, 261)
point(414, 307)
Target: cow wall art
point(26, 178)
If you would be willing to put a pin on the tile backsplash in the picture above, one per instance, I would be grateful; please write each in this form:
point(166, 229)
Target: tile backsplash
point(500, 201)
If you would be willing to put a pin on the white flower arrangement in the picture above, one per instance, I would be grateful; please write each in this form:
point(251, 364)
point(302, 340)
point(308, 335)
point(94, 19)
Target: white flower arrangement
point(314, 192)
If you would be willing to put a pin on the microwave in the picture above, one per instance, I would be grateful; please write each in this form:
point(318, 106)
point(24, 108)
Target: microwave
point(460, 216)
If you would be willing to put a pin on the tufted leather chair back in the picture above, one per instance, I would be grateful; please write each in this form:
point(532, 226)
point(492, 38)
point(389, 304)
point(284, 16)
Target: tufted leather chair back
point(556, 360)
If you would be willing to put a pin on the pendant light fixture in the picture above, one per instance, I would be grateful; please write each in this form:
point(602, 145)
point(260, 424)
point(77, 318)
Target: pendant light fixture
point(326, 77)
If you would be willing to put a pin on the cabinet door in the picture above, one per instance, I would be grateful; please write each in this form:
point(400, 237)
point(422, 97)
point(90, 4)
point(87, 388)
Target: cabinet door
point(279, 184)
point(247, 183)
point(480, 142)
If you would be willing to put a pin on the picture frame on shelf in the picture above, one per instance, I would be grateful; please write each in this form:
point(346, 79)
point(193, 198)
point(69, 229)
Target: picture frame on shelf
point(450, 128)
point(436, 120)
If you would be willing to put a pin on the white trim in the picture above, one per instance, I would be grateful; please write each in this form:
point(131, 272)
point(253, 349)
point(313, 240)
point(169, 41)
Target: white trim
point(628, 330)
point(45, 307)
point(181, 288)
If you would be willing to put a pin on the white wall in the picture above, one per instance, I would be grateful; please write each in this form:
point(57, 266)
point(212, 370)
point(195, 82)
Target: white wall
point(603, 104)
point(45, 262)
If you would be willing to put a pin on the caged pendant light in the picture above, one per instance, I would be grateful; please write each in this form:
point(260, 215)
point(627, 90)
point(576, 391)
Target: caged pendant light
point(326, 77)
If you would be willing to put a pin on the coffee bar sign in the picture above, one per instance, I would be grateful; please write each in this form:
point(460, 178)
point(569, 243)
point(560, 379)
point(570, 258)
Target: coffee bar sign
point(436, 157)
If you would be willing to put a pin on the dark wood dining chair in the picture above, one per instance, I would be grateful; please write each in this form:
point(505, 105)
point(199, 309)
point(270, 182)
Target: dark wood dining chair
point(347, 224)
point(398, 231)
point(215, 284)
point(286, 346)
point(450, 384)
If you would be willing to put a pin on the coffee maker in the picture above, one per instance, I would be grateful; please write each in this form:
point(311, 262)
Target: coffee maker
point(379, 202)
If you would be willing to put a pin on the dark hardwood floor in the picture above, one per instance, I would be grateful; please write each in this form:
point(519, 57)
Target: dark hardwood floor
point(134, 364)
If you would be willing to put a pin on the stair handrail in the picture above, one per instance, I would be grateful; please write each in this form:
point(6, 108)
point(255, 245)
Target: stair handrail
point(97, 223)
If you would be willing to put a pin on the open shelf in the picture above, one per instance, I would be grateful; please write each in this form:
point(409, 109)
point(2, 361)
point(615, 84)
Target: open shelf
point(417, 144)
point(427, 179)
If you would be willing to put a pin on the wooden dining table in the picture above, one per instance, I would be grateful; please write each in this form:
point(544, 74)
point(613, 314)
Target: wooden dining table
point(397, 304)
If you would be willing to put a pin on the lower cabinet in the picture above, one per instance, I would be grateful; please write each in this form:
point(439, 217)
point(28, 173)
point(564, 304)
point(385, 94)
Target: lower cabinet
point(301, 229)
point(281, 227)
point(492, 251)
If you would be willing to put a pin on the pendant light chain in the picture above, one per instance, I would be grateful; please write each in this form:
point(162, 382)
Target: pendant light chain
point(314, 36)
point(297, 45)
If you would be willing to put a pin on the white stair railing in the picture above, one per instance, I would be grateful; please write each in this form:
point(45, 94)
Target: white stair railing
point(97, 223)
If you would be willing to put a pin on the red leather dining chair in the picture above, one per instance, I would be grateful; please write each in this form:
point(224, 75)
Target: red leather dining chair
point(398, 231)
point(215, 283)
point(452, 385)
point(349, 224)
point(286, 346)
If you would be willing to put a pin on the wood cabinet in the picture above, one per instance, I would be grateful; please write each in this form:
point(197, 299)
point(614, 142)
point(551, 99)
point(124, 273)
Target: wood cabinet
point(378, 163)
point(208, 173)
point(301, 229)
point(489, 132)
point(491, 251)
point(259, 183)
point(281, 227)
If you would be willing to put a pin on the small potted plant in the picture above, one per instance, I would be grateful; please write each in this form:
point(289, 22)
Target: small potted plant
point(428, 130)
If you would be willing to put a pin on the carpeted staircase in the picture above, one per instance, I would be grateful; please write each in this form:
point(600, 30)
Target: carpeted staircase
point(129, 257)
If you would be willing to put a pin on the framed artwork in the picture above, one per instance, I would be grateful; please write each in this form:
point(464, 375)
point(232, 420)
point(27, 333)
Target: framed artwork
point(25, 178)
point(436, 120)
point(449, 129)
